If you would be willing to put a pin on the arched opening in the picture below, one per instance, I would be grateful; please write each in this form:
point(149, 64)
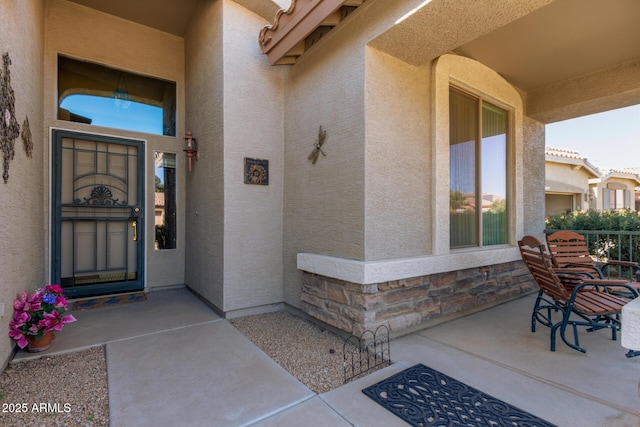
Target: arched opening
point(97, 95)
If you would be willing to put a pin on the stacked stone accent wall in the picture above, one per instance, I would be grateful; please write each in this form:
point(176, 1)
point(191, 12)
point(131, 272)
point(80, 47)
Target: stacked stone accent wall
point(401, 304)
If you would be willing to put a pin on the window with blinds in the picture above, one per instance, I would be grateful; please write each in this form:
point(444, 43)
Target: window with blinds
point(478, 148)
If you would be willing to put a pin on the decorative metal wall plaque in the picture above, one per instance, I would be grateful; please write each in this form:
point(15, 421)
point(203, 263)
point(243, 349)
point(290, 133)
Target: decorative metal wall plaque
point(9, 127)
point(256, 171)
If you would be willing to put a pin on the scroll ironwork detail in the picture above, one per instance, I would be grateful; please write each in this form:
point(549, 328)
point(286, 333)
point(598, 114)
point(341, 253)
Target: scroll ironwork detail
point(101, 195)
point(366, 353)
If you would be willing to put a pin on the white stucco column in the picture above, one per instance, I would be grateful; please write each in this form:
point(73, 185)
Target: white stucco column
point(631, 327)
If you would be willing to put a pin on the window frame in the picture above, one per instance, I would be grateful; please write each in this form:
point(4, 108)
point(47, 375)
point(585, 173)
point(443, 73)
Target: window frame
point(470, 74)
point(96, 84)
point(509, 170)
point(618, 199)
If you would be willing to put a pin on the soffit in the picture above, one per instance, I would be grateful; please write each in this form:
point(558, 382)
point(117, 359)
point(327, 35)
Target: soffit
point(557, 42)
point(170, 16)
point(563, 40)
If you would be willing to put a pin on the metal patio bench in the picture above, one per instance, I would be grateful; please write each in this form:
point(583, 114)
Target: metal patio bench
point(579, 300)
point(568, 249)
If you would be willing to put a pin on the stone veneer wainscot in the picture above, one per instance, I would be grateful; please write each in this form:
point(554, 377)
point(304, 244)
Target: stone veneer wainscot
point(401, 304)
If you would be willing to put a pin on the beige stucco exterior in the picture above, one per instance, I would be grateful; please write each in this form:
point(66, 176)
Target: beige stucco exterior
point(622, 182)
point(374, 209)
point(235, 235)
point(567, 177)
point(23, 216)
point(573, 183)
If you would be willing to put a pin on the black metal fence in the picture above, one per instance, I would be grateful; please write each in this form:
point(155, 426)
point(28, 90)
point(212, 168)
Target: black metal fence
point(366, 353)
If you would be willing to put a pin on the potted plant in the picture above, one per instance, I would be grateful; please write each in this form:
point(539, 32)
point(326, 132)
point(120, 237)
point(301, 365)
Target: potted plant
point(37, 316)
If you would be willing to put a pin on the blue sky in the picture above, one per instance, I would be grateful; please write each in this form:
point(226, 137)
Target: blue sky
point(103, 112)
point(609, 140)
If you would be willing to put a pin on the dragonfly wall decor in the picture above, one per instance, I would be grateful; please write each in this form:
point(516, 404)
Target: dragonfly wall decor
point(313, 157)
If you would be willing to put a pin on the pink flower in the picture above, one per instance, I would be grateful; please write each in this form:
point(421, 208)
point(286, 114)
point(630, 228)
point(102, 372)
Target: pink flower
point(55, 289)
point(53, 321)
point(61, 302)
point(18, 336)
point(18, 304)
point(34, 298)
point(20, 318)
point(50, 321)
point(39, 312)
point(33, 303)
point(68, 319)
point(33, 306)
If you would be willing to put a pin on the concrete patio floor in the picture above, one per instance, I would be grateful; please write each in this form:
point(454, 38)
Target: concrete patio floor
point(172, 361)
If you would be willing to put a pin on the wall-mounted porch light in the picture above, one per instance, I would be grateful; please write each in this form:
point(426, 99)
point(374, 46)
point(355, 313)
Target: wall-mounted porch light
point(190, 147)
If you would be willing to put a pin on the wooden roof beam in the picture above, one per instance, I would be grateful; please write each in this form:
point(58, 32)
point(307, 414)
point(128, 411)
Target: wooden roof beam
point(293, 25)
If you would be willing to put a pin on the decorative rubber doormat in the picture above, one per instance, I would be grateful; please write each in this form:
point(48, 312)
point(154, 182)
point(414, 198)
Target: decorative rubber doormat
point(110, 301)
point(424, 397)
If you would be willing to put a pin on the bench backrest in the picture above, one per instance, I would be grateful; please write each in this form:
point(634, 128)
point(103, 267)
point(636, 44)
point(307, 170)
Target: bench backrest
point(567, 248)
point(537, 261)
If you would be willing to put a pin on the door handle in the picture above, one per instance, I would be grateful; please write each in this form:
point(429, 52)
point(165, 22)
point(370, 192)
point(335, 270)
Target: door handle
point(135, 214)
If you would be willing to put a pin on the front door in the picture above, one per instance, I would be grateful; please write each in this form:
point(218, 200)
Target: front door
point(98, 214)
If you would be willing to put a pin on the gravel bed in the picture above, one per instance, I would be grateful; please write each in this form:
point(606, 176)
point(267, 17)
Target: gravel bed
point(71, 389)
point(311, 354)
point(64, 390)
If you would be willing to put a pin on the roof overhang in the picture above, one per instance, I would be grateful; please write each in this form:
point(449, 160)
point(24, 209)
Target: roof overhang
point(574, 163)
point(300, 26)
point(621, 175)
point(559, 187)
point(550, 50)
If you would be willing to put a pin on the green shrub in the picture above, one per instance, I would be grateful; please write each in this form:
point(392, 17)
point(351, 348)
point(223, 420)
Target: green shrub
point(625, 247)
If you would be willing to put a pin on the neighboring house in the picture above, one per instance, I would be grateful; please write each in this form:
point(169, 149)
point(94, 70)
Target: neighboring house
point(567, 177)
point(615, 189)
point(428, 106)
point(636, 196)
point(572, 183)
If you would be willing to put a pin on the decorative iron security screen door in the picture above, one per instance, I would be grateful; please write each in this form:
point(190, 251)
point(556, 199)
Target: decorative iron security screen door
point(98, 214)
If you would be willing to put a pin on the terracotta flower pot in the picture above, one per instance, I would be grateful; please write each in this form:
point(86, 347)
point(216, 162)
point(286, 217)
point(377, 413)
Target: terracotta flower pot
point(43, 344)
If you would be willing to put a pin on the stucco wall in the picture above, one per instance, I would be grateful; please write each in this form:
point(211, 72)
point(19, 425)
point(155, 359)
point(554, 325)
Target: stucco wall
point(253, 94)
point(398, 170)
point(394, 158)
point(474, 76)
point(325, 211)
point(565, 178)
point(533, 177)
point(235, 105)
point(324, 202)
point(87, 34)
point(204, 111)
point(22, 231)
